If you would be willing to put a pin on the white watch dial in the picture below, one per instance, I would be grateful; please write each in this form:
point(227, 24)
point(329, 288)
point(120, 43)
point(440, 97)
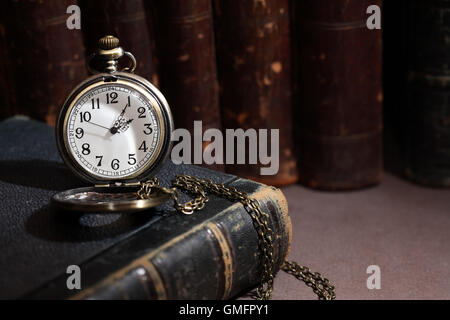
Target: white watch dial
point(113, 131)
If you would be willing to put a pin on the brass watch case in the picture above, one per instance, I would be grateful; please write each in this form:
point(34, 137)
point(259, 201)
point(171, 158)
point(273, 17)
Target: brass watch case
point(145, 88)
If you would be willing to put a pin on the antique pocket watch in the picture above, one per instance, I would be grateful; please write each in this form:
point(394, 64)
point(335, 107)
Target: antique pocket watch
point(114, 132)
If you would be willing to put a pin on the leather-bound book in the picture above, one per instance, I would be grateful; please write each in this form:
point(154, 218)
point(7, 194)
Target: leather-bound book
point(395, 66)
point(129, 21)
point(425, 112)
point(46, 59)
point(8, 96)
point(254, 63)
point(155, 254)
point(187, 57)
point(338, 104)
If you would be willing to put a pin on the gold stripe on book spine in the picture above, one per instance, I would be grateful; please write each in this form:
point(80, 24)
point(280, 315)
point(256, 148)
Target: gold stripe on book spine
point(227, 258)
point(155, 279)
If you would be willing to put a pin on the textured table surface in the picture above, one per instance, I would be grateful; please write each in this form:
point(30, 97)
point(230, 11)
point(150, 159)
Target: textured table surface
point(401, 227)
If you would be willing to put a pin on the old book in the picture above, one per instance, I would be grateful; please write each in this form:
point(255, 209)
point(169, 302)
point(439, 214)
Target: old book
point(395, 67)
point(156, 254)
point(339, 96)
point(129, 21)
point(254, 64)
point(8, 99)
point(424, 115)
point(187, 57)
point(46, 59)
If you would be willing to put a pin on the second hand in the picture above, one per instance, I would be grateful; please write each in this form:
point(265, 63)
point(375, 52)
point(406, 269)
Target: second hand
point(98, 125)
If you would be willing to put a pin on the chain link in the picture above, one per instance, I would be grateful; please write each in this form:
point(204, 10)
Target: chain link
point(320, 285)
point(199, 188)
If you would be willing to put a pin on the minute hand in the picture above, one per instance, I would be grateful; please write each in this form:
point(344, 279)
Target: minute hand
point(123, 111)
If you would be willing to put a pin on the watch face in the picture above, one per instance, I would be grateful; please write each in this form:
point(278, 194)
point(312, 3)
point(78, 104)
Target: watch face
point(113, 130)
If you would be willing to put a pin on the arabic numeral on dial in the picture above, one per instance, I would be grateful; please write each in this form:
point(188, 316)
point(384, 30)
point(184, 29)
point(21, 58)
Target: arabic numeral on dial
point(141, 111)
point(99, 164)
point(85, 116)
point(95, 103)
point(149, 130)
point(111, 97)
point(115, 164)
point(79, 133)
point(132, 159)
point(143, 146)
point(86, 149)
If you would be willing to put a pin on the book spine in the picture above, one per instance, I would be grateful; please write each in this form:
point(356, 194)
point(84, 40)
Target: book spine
point(338, 104)
point(254, 65)
point(129, 21)
point(394, 83)
point(8, 101)
point(427, 109)
point(187, 56)
point(46, 58)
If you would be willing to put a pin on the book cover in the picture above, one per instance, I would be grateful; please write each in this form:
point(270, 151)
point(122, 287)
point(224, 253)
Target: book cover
point(187, 56)
point(127, 20)
point(254, 64)
point(156, 254)
point(425, 112)
point(338, 104)
point(46, 58)
point(8, 100)
point(395, 66)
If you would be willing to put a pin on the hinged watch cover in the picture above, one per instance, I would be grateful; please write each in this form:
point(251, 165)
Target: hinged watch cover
point(108, 199)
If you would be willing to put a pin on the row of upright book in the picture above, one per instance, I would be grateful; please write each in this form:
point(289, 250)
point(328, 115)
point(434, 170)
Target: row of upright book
point(314, 71)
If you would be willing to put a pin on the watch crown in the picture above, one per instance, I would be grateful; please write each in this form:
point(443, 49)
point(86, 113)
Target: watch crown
point(105, 58)
point(108, 43)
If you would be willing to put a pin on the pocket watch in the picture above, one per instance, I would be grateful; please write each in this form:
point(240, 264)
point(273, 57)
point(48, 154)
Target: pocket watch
point(113, 131)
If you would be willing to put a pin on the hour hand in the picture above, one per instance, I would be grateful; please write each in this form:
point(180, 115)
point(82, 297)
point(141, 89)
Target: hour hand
point(119, 121)
point(125, 125)
point(120, 125)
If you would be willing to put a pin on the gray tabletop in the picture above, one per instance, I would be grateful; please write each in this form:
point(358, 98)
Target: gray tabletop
point(402, 228)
